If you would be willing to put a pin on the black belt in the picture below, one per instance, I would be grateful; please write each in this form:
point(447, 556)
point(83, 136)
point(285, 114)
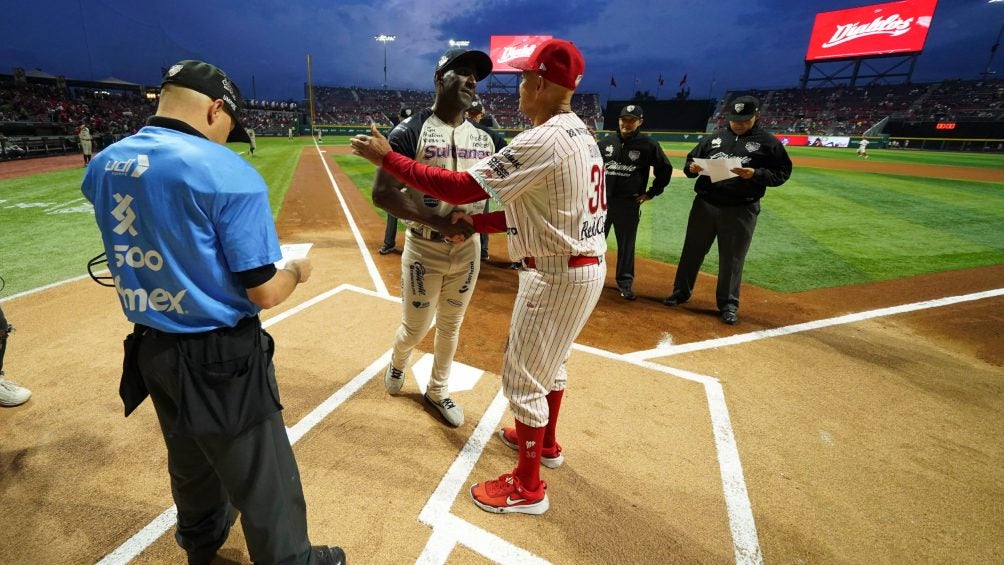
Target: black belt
point(242, 325)
point(433, 235)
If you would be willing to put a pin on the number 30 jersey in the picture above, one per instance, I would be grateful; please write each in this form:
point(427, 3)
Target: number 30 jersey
point(551, 182)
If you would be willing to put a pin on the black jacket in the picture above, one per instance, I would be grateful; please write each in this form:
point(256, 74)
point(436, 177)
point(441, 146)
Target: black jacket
point(627, 162)
point(757, 149)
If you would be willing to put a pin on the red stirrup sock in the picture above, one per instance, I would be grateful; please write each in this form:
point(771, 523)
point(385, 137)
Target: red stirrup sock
point(530, 443)
point(553, 406)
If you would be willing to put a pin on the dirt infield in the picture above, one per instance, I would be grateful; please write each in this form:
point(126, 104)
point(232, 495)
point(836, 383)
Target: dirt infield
point(868, 440)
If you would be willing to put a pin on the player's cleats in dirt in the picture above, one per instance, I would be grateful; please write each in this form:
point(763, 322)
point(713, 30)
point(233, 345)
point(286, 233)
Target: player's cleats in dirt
point(550, 458)
point(393, 379)
point(507, 494)
point(453, 414)
point(12, 394)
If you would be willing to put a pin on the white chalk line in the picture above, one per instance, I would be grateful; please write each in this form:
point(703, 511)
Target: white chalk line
point(814, 325)
point(143, 539)
point(364, 251)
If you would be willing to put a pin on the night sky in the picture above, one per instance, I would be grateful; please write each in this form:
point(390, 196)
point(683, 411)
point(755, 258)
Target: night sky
point(735, 43)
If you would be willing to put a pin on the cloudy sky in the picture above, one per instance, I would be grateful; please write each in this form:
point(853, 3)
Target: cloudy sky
point(718, 45)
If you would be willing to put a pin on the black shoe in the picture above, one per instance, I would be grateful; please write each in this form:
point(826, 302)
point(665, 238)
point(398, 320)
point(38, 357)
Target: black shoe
point(484, 257)
point(729, 316)
point(385, 249)
point(516, 265)
point(324, 555)
point(628, 294)
point(675, 299)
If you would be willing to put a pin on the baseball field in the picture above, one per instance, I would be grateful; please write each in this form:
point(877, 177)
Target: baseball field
point(853, 415)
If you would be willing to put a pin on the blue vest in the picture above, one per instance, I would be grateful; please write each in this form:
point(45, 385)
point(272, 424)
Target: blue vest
point(179, 215)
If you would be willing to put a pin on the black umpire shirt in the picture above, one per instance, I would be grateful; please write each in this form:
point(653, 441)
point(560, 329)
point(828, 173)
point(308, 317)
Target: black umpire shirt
point(757, 149)
point(627, 162)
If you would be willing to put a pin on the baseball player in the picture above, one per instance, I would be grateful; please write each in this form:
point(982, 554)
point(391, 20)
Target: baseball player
point(84, 135)
point(629, 155)
point(863, 148)
point(11, 394)
point(550, 183)
point(437, 276)
point(251, 142)
point(476, 114)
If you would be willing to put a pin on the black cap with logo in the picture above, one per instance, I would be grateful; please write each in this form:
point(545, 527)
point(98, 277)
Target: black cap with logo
point(742, 108)
point(476, 107)
point(213, 82)
point(633, 110)
point(479, 61)
point(404, 113)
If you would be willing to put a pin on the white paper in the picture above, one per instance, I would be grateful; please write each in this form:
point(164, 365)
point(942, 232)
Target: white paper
point(719, 169)
point(292, 251)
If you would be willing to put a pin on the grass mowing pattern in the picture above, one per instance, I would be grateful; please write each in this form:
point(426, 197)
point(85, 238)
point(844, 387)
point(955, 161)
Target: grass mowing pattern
point(823, 228)
point(40, 245)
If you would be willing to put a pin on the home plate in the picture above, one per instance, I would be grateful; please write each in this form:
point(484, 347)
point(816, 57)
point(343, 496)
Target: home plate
point(462, 377)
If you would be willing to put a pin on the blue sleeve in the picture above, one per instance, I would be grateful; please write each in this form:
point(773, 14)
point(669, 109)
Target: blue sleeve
point(245, 227)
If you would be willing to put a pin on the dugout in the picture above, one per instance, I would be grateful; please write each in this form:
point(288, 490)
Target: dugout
point(663, 115)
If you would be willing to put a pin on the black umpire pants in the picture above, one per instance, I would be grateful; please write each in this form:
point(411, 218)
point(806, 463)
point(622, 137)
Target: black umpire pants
point(733, 227)
point(254, 470)
point(623, 215)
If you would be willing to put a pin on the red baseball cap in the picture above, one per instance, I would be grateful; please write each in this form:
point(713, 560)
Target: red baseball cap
point(557, 60)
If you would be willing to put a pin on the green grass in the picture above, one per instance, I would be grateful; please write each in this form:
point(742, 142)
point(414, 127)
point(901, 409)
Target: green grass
point(943, 158)
point(823, 228)
point(40, 245)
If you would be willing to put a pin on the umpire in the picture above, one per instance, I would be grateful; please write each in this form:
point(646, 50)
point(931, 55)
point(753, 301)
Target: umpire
point(727, 210)
point(188, 224)
point(627, 156)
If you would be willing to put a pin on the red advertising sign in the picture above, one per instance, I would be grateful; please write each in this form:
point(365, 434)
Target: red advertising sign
point(879, 29)
point(945, 125)
point(505, 48)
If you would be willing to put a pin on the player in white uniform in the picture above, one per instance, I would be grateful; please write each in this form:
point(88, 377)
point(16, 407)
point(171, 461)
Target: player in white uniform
point(550, 182)
point(437, 277)
point(863, 148)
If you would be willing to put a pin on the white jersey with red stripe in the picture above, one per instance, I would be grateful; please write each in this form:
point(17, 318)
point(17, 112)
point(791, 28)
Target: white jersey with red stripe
point(551, 182)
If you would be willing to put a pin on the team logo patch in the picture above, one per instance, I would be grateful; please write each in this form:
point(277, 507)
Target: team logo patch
point(634, 155)
point(630, 108)
point(429, 201)
point(752, 146)
point(609, 150)
point(174, 70)
point(716, 142)
point(739, 107)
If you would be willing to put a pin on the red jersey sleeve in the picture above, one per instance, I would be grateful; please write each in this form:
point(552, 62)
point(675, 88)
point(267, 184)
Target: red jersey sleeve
point(454, 187)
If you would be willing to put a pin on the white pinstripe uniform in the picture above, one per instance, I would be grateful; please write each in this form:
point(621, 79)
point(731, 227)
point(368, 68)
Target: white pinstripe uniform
point(551, 182)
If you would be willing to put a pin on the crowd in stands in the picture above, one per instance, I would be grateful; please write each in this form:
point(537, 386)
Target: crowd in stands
point(838, 110)
point(843, 110)
point(356, 106)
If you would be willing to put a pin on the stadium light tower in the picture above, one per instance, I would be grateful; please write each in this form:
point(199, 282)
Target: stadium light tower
point(385, 39)
point(459, 43)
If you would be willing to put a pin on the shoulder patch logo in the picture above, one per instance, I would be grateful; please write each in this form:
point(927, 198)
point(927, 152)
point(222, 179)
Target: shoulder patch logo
point(752, 146)
point(716, 142)
point(634, 155)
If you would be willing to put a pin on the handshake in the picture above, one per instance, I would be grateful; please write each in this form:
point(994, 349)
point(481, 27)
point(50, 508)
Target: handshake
point(457, 228)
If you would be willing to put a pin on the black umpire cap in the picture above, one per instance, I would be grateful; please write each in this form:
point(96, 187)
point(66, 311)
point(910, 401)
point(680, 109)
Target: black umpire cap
point(742, 108)
point(213, 82)
point(633, 110)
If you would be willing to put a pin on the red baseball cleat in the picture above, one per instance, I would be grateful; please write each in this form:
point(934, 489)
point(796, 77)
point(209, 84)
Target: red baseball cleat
point(550, 458)
point(506, 494)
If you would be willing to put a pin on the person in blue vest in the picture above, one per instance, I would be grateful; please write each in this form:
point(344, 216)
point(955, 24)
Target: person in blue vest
point(188, 229)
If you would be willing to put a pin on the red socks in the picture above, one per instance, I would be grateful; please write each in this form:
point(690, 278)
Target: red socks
point(531, 441)
point(553, 406)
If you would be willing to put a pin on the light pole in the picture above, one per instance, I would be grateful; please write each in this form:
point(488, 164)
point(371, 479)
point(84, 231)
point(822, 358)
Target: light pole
point(385, 39)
